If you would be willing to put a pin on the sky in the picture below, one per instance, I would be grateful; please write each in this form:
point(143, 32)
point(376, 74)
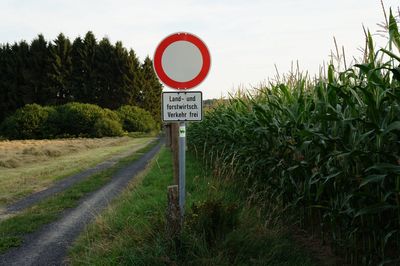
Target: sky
point(247, 40)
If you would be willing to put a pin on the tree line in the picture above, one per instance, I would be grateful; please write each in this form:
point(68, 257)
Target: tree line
point(84, 70)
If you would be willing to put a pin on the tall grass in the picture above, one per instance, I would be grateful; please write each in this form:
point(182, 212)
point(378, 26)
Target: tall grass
point(326, 150)
point(219, 228)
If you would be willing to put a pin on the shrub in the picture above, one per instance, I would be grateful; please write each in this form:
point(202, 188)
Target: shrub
point(86, 120)
point(107, 127)
point(70, 120)
point(110, 114)
point(28, 122)
point(77, 119)
point(135, 119)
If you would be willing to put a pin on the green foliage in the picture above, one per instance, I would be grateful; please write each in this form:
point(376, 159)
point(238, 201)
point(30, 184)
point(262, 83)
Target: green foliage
point(213, 220)
point(85, 70)
point(14, 78)
point(326, 150)
point(39, 65)
point(136, 119)
point(61, 68)
point(150, 91)
point(394, 35)
point(107, 127)
point(70, 120)
point(29, 122)
point(136, 223)
point(77, 119)
point(86, 120)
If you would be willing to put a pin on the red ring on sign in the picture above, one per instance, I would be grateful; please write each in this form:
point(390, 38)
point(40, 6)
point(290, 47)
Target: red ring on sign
point(157, 62)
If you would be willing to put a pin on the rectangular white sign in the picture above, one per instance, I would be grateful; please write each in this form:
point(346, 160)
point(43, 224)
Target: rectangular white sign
point(182, 106)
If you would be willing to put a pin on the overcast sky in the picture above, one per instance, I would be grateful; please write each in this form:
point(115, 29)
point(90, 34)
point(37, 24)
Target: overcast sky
point(245, 38)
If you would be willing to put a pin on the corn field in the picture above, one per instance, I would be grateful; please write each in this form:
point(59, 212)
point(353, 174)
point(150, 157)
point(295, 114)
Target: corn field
point(324, 149)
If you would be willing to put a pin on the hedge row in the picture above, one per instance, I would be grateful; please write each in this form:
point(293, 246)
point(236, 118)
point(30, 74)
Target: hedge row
point(75, 120)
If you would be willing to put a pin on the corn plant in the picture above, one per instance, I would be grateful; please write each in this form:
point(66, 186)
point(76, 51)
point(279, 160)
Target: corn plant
point(326, 150)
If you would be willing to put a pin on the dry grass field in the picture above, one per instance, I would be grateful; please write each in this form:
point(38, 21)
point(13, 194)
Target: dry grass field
point(28, 166)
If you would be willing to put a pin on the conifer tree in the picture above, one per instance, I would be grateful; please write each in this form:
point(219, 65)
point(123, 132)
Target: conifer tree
point(126, 71)
point(18, 75)
point(136, 78)
point(85, 71)
point(88, 86)
point(39, 63)
point(7, 99)
point(60, 73)
point(77, 82)
point(151, 90)
point(105, 74)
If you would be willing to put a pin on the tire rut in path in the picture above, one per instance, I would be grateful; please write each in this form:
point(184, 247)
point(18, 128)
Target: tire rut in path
point(49, 245)
point(67, 182)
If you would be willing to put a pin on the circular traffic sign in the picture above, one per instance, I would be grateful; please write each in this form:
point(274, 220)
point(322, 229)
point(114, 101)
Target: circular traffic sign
point(182, 61)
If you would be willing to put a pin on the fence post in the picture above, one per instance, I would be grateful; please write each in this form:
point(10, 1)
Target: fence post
point(173, 212)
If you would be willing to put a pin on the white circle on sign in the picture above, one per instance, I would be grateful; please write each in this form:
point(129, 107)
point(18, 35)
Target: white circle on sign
point(182, 61)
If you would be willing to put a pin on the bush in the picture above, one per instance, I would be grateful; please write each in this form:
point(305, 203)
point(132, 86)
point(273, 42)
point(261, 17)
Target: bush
point(28, 122)
point(110, 114)
point(77, 119)
point(107, 127)
point(135, 119)
point(70, 120)
point(86, 120)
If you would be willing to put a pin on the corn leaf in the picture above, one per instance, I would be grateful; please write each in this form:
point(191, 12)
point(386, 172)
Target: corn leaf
point(393, 126)
point(372, 179)
point(376, 208)
point(394, 34)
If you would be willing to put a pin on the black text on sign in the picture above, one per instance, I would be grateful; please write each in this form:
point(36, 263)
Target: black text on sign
point(182, 106)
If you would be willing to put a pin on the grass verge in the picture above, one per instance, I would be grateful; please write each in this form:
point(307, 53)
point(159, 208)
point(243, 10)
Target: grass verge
point(220, 228)
point(13, 229)
point(41, 162)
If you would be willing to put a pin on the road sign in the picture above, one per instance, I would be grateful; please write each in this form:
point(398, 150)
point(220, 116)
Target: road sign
point(182, 106)
point(182, 61)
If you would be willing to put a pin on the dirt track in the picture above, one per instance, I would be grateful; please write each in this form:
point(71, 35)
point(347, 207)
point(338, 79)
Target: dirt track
point(49, 245)
point(67, 182)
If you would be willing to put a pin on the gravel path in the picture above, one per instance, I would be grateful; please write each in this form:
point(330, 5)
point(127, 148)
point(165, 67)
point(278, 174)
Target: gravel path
point(49, 245)
point(67, 182)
